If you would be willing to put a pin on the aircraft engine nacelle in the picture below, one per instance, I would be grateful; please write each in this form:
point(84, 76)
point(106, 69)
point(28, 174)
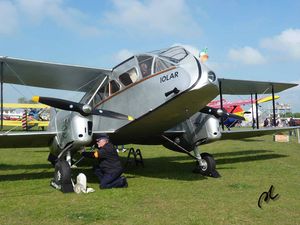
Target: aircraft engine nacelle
point(199, 129)
point(209, 128)
point(72, 128)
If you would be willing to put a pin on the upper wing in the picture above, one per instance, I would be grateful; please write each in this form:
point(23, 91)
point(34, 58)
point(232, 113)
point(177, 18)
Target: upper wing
point(24, 106)
point(18, 123)
point(49, 75)
point(243, 87)
point(248, 101)
point(26, 139)
point(240, 134)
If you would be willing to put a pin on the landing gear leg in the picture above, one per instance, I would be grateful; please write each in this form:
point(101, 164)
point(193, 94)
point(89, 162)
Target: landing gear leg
point(62, 175)
point(206, 165)
point(68, 158)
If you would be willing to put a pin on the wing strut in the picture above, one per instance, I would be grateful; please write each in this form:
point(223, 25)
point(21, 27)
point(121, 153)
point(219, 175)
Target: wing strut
point(221, 101)
point(273, 102)
point(256, 105)
point(100, 86)
point(262, 89)
point(1, 74)
point(252, 110)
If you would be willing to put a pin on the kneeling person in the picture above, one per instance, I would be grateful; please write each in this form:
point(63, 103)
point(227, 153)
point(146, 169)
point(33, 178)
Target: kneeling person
point(109, 169)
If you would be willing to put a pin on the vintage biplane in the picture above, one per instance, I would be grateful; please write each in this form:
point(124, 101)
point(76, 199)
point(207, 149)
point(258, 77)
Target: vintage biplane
point(25, 115)
point(236, 108)
point(156, 98)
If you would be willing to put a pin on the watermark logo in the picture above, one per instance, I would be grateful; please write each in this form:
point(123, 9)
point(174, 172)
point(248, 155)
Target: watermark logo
point(266, 196)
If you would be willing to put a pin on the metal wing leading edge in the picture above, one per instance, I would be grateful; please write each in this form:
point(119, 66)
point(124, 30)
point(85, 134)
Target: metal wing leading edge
point(49, 75)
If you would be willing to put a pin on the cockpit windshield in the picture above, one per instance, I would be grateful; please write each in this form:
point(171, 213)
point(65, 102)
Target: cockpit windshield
point(174, 54)
point(85, 99)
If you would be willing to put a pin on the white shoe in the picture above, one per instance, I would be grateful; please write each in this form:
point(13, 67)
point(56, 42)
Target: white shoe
point(124, 150)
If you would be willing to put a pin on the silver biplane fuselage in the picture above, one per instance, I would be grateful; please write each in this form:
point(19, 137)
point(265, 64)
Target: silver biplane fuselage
point(159, 89)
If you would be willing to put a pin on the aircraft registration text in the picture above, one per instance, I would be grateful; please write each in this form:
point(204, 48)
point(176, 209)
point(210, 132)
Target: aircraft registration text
point(167, 77)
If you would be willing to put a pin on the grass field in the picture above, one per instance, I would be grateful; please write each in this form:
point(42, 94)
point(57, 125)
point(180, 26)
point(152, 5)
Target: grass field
point(165, 191)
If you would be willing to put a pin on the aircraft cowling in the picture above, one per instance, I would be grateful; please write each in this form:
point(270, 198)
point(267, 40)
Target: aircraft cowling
point(71, 128)
point(199, 129)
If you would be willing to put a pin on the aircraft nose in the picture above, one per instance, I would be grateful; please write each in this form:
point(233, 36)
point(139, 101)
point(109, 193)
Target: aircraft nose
point(211, 76)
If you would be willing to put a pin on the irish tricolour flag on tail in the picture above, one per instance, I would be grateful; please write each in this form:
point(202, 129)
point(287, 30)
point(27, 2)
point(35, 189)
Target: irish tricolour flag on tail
point(203, 55)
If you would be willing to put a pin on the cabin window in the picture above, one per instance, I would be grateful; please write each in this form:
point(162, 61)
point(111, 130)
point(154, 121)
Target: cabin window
point(113, 87)
point(160, 65)
point(145, 63)
point(128, 77)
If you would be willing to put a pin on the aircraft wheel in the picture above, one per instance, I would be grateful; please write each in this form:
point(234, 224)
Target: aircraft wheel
point(62, 173)
point(210, 164)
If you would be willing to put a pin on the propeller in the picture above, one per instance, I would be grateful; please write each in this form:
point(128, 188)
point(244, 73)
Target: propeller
point(220, 113)
point(83, 109)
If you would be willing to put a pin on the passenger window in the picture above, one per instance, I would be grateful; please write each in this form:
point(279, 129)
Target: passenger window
point(113, 87)
point(129, 77)
point(103, 92)
point(145, 63)
point(160, 65)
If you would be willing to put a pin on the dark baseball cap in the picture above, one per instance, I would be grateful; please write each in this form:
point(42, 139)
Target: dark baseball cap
point(102, 136)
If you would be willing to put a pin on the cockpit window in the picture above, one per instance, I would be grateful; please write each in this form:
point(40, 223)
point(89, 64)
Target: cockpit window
point(175, 54)
point(103, 92)
point(145, 63)
point(128, 77)
point(113, 87)
point(90, 93)
point(160, 65)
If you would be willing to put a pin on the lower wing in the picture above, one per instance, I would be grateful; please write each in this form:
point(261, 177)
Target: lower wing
point(240, 134)
point(26, 139)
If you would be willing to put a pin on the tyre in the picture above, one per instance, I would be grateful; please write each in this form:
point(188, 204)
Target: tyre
point(62, 173)
point(210, 164)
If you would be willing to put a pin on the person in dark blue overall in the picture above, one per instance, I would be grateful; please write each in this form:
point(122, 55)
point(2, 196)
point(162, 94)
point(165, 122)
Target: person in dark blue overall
point(109, 169)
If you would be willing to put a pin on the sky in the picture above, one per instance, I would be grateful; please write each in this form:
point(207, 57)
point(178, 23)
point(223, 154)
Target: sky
point(251, 40)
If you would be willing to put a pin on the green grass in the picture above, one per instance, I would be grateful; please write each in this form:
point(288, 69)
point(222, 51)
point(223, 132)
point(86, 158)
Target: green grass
point(165, 191)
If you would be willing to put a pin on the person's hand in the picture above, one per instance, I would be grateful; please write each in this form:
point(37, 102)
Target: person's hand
point(88, 154)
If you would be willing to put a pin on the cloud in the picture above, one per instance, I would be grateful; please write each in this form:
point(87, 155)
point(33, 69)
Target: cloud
point(153, 17)
point(8, 17)
point(35, 12)
point(246, 55)
point(123, 55)
point(288, 43)
point(57, 12)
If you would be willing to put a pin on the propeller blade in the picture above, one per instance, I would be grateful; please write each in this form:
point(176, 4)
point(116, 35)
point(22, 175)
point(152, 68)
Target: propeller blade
point(212, 111)
point(111, 114)
point(234, 116)
point(59, 103)
point(84, 110)
point(220, 113)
